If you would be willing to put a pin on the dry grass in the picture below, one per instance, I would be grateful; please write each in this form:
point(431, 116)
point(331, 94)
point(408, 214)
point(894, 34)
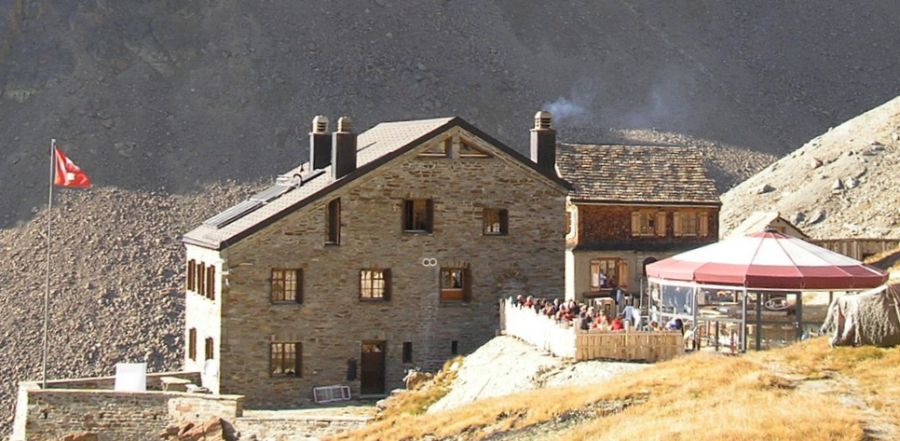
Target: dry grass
point(697, 397)
point(876, 370)
point(416, 402)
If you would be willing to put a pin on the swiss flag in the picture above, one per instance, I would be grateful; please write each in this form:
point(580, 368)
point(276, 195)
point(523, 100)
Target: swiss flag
point(67, 174)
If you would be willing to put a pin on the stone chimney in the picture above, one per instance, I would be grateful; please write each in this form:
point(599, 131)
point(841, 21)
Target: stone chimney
point(343, 158)
point(543, 142)
point(319, 143)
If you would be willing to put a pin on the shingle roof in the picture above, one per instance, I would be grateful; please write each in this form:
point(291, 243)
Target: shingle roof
point(636, 174)
point(375, 146)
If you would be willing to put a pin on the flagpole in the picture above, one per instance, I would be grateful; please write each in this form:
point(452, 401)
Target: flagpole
point(47, 290)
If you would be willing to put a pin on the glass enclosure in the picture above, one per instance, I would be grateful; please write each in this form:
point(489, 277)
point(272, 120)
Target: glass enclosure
point(723, 319)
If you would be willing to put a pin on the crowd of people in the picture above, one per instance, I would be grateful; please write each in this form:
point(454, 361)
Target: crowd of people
point(588, 316)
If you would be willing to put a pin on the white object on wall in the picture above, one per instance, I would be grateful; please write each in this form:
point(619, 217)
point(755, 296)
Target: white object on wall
point(131, 377)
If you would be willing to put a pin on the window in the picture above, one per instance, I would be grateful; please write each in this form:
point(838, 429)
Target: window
point(407, 352)
point(286, 359)
point(606, 272)
point(191, 285)
point(211, 282)
point(209, 348)
point(333, 222)
point(192, 344)
point(496, 222)
point(648, 223)
point(467, 150)
point(287, 286)
point(691, 223)
point(418, 215)
point(439, 150)
point(375, 284)
point(454, 347)
point(456, 284)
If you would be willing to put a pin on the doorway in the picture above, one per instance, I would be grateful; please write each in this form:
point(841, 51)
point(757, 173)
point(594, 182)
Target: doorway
point(372, 368)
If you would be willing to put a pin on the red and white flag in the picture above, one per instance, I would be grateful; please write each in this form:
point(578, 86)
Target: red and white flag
point(67, 174)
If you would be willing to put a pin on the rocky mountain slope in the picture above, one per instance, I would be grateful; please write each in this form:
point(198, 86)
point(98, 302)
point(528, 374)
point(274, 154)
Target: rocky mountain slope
point(177, 109)
point(843, 183)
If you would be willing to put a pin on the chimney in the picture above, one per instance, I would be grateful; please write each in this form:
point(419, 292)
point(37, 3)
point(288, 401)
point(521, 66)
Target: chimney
point(543, 142)
point(343, 158)
point(319, 143)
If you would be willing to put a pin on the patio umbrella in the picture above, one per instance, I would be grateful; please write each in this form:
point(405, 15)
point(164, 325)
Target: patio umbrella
point(768, 260)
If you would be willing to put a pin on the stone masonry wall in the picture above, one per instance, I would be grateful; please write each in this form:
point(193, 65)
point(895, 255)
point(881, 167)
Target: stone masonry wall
point(332, 321)
point(117, 416)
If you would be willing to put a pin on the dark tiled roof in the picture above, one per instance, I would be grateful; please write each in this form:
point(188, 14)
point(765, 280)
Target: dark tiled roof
point(375, 146)
point(636, 174)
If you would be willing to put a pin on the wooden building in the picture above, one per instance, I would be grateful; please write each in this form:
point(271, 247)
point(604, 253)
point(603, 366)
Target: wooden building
point(632, 205)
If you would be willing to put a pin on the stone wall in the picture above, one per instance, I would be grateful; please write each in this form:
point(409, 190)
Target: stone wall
point(108, 382)
point(114, 416)
point(332, 321)
point(294, 428)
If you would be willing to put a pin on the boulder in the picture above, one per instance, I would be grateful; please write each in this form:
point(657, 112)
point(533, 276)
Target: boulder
point(766, 188)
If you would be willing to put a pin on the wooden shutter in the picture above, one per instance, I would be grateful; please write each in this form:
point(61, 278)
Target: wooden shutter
point(661, 224)
point(201, 279)
point(211, 282)
point(387, 283)
point(504, 222)
point(298, 359)
point(703, 220)
point(192, 344)
point(429, 204)
point(467, 284)
point(622, 273)
point(190, 275)
point(676, 224)
point(635, 223)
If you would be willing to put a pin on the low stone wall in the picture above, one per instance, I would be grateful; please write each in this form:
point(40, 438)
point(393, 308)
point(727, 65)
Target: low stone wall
point(115, 416)
point(295, 428)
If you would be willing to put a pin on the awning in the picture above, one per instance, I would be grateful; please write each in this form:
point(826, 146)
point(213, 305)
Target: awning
point(768, 260)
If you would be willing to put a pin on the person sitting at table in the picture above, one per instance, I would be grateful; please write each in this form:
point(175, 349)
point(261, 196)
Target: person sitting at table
point(617, 324)
point(600, 323)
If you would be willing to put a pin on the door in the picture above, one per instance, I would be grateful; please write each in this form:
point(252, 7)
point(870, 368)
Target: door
point(372, 368)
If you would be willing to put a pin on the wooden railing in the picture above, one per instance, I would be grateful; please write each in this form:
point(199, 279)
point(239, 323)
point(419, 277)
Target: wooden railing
point(564, 339)
point(628, 345)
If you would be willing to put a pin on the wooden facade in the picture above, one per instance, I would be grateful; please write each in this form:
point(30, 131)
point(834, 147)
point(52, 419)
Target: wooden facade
point(602, 227)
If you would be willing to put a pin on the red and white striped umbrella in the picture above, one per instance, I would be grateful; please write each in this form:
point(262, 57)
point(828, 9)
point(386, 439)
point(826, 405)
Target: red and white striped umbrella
point(768, 260)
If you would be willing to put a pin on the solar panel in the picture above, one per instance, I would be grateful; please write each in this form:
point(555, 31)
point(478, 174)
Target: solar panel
point(271, 193)
point(232, 214)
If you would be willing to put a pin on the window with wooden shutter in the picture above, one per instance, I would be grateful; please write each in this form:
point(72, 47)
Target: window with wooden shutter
point(688, 225)
point(374, 284)
point(286, 359)
point(604, 272)
point(190, 275)
point(418, 215)
point(456, 285)
point(676, 224)
point(209, 348)
point(211, 282)
point(635, 223)
point(192, 344)
point(495, 222)
point(661, 224)
point(286, 285)
point(703, 220)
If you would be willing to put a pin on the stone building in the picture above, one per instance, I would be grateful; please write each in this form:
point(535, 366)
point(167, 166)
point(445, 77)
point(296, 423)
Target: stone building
point(632, 205)
point(387, 250)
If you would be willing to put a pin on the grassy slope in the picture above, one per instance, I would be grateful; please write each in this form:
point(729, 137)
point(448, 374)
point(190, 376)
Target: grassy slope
point(698, 397)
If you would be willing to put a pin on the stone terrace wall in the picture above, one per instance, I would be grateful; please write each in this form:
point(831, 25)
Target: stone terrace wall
point(294, 428)
point(153, 381)
point(114, 416)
